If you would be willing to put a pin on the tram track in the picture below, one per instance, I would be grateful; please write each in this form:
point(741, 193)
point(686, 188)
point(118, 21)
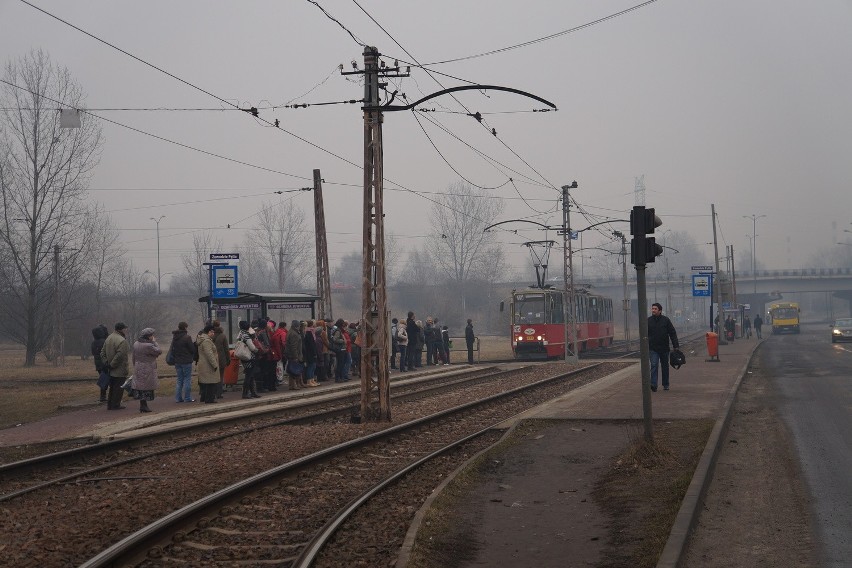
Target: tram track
point(36, 473)
point(64, 519)
point(288, 515)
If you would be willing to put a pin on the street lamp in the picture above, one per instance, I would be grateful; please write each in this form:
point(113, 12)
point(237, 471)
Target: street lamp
point(157, 221)
point(754, 219)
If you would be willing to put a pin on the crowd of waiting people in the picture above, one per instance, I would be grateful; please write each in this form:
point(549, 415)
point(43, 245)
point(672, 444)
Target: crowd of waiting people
point(305, 355)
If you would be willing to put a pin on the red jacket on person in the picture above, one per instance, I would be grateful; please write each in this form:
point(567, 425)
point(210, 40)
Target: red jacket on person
point(276, 341)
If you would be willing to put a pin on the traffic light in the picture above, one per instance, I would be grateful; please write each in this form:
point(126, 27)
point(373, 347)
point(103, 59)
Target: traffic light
point(643, 249)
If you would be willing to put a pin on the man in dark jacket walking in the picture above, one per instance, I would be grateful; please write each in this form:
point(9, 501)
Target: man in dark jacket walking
point(660, 330)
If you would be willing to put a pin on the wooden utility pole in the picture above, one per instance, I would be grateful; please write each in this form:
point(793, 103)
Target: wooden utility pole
point(58, 339)
point(375, 375)
point(323, 277)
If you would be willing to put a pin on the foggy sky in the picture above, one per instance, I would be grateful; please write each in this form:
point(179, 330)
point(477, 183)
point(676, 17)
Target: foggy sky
point(744, 104)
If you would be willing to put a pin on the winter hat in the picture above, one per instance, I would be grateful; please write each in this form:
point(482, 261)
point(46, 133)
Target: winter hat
point(147, 332)
point(244, 325)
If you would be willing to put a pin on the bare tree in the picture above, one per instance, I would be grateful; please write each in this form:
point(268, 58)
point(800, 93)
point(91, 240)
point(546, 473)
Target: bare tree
point(285, 235)
point(458, 244)
point(138, 303)
point(44, 172)
point(104, 253)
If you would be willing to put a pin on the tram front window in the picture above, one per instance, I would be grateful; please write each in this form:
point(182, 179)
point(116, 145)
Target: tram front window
point(529, 309)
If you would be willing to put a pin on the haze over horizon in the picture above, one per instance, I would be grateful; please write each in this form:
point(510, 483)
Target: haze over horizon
point(740, 104)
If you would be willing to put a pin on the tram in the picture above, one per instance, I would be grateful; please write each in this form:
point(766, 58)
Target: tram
point(538, 325)
point(785, 317)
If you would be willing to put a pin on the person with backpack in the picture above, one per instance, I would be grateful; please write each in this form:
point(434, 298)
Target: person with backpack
point(246, 352)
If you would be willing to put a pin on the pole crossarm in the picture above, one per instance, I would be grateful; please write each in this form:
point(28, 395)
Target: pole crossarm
point(390, 108)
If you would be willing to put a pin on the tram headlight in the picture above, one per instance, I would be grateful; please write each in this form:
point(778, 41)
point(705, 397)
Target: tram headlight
point(520, 338)
point(539, 338)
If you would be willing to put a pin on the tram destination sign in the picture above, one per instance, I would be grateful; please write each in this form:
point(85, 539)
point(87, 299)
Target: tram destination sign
point(288, 305)
point(243, 306)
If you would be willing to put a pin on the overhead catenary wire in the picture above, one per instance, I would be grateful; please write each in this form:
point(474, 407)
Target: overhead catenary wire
point(544, 38)
point(228, 103)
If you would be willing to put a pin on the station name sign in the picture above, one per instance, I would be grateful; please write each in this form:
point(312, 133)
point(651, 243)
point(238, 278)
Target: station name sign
point(224, 256)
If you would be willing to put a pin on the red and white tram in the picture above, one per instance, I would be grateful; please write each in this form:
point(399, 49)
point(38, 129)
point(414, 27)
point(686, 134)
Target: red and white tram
point(538, 325)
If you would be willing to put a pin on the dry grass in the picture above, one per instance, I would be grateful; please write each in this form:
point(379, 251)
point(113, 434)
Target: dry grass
point(29, 394)
point(644, 488)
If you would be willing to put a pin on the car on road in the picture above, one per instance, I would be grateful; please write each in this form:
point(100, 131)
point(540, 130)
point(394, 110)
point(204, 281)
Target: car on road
point(841, 330)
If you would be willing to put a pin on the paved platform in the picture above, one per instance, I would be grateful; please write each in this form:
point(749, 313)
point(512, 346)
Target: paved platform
point(89, 420)
point(699, 389)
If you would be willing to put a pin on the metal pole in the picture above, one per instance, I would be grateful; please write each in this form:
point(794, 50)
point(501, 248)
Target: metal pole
point(716, 285)
point(323, 278)
point(644, 350)
point(375, 375)
point(565, 303)
point(570, 338)
point(157, 221)
point(625, 303)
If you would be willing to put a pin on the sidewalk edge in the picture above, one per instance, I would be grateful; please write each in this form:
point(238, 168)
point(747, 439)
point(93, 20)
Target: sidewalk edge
point(687, 515)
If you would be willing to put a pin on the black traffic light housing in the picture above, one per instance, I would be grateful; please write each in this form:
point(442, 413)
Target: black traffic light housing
point(643, 249)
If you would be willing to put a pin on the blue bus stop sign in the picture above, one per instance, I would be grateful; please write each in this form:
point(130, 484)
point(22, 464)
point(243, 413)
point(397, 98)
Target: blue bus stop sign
point(701, 285)
point(225, 281)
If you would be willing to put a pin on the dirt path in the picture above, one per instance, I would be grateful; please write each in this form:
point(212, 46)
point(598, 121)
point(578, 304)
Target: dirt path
point(756, 511)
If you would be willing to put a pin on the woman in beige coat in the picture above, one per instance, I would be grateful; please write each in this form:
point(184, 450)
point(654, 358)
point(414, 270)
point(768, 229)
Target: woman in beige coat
point(208, 364)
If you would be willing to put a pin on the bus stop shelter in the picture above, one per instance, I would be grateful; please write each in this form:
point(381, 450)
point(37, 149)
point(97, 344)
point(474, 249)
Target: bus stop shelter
point(258, 304)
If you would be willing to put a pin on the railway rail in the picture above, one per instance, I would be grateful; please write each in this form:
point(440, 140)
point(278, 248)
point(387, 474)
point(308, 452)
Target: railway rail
point(36, 473)
point(61, 524)
point(311, 497)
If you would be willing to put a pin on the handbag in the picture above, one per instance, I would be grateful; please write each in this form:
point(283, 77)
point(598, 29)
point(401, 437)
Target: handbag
point(170, 356)
point(128, 384)
point(242, 351)
point(295, 368)
point(103, 379)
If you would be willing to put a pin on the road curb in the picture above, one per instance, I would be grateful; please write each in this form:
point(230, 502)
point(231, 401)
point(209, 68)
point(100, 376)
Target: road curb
point(687, 515)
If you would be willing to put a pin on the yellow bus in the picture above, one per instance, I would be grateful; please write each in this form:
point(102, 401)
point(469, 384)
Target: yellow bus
point(785, 317)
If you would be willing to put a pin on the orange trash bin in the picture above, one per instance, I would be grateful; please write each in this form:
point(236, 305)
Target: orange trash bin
point(712, 344)
point(232, 371)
